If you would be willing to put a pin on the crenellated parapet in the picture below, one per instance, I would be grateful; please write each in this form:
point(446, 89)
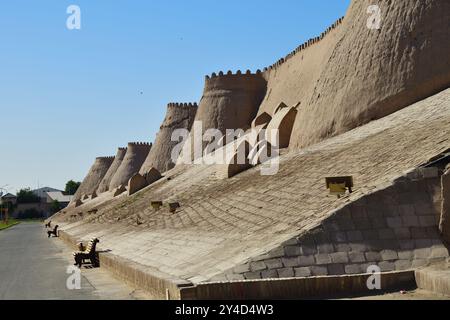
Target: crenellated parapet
point(139, 144)
point(182, 105)
point(305, 45)
point(236, 81)
point(108, 158)
point(231, 75)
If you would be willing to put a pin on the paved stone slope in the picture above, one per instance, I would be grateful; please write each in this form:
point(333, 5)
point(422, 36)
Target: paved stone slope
point(223, 224)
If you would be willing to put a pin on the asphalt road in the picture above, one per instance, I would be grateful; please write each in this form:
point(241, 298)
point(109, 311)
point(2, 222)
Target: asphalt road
point(33, 267)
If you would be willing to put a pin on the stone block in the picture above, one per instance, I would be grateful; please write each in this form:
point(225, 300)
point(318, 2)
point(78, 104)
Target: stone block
point(319, 270)
point(373, 256)
point(331, 226)
point(304, 261)
point(353, 236)
point(429, 173)
point(386, 266)
point(375, 210)
point(235, 277)
point(323, 259)
point(345, 225)
point(292, 251)
point(378, 223)
point(410, 221)
point(353, 269)
point(274, 264)
point(356, 257)
point(291, 242)
point(394, 222)
point(286, 273)
point(406, 210)
point(338, 237)
point(401, 265)
point(358, 213)
point(389, 255)
point(427, 221)
point(345, 213)
point(290, 262)
point(269, 274)
point(325, 248)
point(358, 247)
point(433, 233)
point(336, 269)
point(423, 253)
point(370, 234)
point(402, 233)
point(339, 257)
point(386, 234)
point(392, 208)
point(423, 243)
point(276, 253)
point(343, 247)
point(252, 275)
point(439, 252)
point(406, 255)
point(362, 224)
point(418, 233)
point(308, 250)
point(406, 244)
point(242, 268)
point(321, 238)
point(303, 272)
point(418, 263)
point(257, 266)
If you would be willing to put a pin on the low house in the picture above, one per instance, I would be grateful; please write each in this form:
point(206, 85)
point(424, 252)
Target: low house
point(44, 206)
point(8, 198)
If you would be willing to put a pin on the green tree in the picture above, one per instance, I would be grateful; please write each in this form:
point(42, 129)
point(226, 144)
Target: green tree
point(72, 187)
point(27, 196)
point(55, 206)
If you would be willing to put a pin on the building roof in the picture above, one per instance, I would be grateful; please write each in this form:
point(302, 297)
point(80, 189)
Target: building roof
point(8, 195)
point(59, 196)
point(42, 192)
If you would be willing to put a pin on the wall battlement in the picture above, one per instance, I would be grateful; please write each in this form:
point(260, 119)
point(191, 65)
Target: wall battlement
point(230, 74)
point(305, 45)
point(139, 144)
point(182, 105)
point(104, 158)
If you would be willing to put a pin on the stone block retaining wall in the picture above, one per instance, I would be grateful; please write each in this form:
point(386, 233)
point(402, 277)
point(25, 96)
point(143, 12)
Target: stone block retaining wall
point(396, 229)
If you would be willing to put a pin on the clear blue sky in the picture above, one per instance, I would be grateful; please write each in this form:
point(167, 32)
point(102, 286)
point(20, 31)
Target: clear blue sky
point(67, 97)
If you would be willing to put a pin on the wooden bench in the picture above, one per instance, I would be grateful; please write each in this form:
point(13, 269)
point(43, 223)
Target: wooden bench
point(88, 254)
point(53, 232)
